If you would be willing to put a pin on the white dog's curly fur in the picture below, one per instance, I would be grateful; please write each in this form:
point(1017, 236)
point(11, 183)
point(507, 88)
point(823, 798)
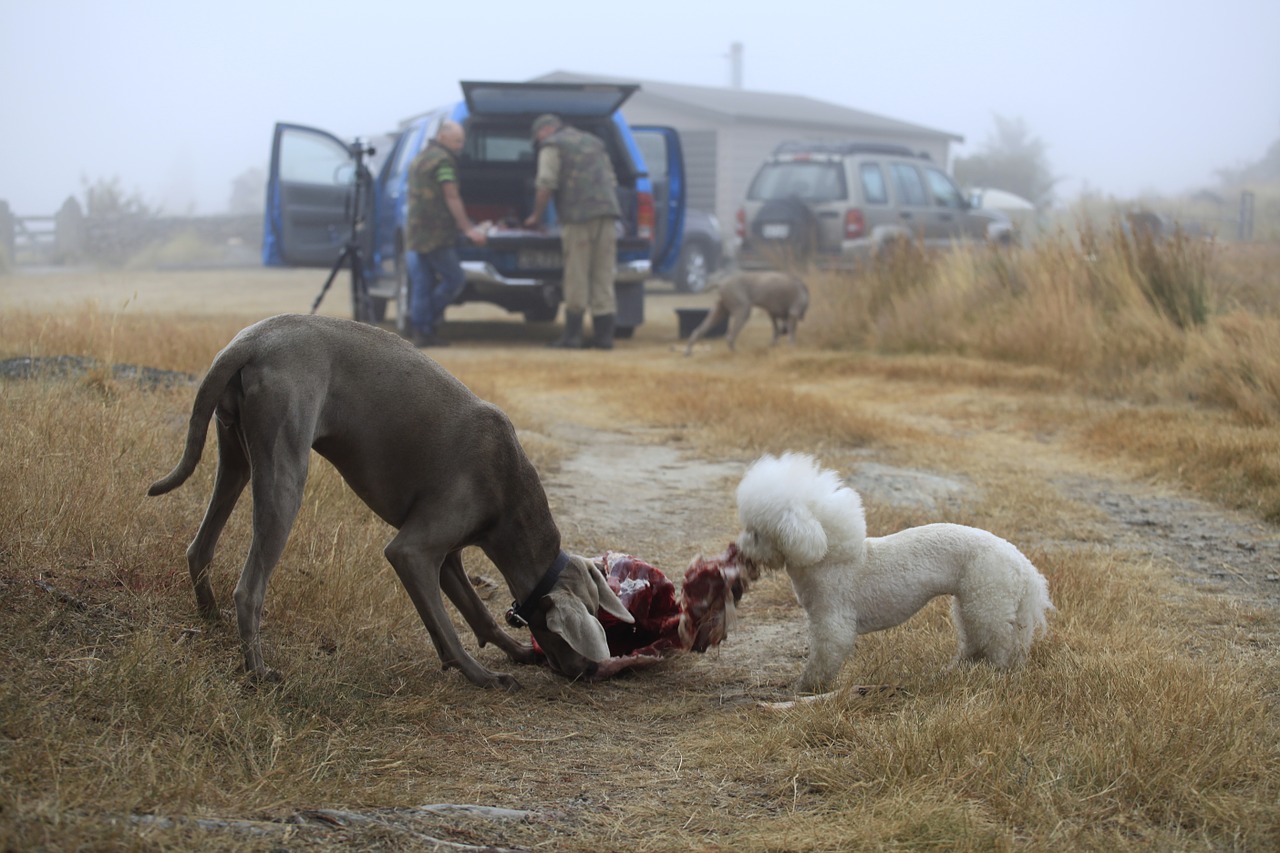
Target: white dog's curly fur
point(795, 514)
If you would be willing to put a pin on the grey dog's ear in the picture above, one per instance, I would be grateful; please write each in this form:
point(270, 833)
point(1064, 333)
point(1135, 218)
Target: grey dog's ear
point(801, 538)
point(582, 590)
point(569, 618)
point(609, 601)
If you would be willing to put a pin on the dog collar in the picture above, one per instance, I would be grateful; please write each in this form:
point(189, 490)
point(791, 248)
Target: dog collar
point(518, 615)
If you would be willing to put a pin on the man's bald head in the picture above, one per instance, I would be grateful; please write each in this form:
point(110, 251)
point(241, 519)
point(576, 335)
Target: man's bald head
point(451, 136)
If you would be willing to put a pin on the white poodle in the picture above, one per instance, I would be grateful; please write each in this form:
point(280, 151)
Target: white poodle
point(797, 515)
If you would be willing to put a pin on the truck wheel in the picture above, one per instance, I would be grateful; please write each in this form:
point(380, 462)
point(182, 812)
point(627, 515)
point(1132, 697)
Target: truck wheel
point(404, 298)
point(693, 269)
point(541, 314)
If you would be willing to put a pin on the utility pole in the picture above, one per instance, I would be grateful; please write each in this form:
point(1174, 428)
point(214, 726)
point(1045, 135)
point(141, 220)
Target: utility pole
point(735, 65)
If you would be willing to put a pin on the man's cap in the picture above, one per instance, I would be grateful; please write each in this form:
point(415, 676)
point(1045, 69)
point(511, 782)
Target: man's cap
point(545, 120)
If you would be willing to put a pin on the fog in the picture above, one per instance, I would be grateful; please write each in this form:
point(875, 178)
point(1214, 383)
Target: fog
point(175, 100)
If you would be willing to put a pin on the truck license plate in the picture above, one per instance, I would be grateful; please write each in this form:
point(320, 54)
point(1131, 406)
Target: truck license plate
point(775, 231)
point(538, 259)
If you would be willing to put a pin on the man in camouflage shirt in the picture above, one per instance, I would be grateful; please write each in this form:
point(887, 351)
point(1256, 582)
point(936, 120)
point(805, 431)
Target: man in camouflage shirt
point(435, 220)
point(574, 167)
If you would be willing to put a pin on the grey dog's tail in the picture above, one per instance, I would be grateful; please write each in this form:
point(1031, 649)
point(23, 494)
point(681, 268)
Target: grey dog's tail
point(224, 367)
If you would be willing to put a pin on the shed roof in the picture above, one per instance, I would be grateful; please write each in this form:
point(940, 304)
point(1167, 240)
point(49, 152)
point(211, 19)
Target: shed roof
point(757, 105)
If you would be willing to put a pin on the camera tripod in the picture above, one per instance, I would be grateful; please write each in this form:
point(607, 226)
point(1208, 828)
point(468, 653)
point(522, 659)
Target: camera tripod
point(352, 255)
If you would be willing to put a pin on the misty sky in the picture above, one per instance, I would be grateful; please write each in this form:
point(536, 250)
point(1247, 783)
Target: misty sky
point(176, 99)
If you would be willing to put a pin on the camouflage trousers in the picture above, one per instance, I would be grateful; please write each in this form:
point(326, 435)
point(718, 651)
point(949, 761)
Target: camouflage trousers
point(590, 262)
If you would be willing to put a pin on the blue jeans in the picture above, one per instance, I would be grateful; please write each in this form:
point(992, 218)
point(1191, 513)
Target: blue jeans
point(436, 279)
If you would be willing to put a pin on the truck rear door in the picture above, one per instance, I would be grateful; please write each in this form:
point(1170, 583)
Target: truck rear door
point(568, 100)
point(664, 177)
point(311, 198)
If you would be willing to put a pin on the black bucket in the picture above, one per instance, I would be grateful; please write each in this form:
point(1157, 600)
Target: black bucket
point(691, 318)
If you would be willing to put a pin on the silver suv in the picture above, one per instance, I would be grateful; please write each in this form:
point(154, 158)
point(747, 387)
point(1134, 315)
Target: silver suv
point(837, 203)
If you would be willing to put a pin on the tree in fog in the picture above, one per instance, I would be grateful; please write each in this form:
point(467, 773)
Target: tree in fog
point(105, 199)
point(248, 192)
point(1263, 172)
point(113, 226)
point(1013, 160)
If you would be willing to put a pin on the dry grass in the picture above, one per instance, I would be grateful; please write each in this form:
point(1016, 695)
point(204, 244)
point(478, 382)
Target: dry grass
point(1110, 315)
point(1148, 720)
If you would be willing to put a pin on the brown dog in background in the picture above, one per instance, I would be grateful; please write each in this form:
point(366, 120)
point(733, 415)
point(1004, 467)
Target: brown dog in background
point(784, 296)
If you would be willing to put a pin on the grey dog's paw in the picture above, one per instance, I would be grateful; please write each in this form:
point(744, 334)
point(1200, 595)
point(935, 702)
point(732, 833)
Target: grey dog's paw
point(266, 679)
point(505, 682)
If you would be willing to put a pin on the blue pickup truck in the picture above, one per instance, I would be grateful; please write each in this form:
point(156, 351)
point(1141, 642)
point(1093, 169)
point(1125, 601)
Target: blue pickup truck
point(333, 203)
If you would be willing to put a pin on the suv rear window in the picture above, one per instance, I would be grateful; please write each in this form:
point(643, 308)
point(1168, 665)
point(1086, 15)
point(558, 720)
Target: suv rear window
point(805, 180)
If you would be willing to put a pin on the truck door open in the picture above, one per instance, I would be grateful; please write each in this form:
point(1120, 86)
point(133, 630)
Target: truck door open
point(311, 192)
point(664, 161)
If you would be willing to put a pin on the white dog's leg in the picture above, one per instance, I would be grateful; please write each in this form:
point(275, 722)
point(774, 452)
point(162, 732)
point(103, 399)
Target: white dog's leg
point(966, 649)
point(987, 630)
point(832, 635)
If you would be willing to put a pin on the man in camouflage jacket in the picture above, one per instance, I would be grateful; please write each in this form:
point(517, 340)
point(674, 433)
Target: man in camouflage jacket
point(574, 167)
point(436, 218)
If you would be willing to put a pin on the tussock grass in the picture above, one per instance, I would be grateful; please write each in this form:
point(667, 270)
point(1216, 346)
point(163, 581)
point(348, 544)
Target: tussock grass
point(1236, 464)
point(1114, 315)
point(1146, 720)
point(1115, 311)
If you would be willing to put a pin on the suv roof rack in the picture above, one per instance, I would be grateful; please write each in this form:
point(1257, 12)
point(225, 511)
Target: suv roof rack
point(800, 146)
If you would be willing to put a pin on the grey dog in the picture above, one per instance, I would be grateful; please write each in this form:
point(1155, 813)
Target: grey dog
point(427, 455)
point(783, 296)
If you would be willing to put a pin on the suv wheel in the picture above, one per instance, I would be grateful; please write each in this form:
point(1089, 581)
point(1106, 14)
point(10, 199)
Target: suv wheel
point(693, 269)
point(798, 232)
point(541, 313)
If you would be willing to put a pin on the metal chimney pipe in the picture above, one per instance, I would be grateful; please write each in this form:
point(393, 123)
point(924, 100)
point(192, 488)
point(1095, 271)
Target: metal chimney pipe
point(735, 65)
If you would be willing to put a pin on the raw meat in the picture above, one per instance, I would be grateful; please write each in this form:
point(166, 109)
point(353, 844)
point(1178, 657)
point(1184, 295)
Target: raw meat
point(664, 627)
point(708, 598)
point(650, 598)
point(702, 619)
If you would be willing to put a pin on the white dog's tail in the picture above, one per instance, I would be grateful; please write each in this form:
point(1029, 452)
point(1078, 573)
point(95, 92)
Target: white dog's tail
point(227, 363)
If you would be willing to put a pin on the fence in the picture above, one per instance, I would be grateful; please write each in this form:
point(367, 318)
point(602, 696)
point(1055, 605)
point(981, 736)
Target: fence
point(71, 237)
